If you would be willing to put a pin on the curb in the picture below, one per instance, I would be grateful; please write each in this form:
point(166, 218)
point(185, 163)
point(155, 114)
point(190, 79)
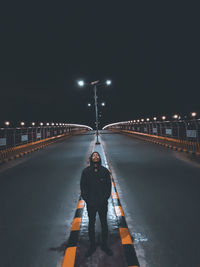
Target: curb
point(70, 252)
point(126, 240)
point(194, 153)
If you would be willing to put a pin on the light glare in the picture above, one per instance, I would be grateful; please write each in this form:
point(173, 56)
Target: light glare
point(108, 82)
point(193, 114)
point(81, 83)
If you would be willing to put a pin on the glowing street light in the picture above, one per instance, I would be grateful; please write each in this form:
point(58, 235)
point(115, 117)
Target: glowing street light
point(52, 124)
point(33, 123)
point(193, 114)
point(89, 105)
point(163, 117)
point(138, 120)
point(142, 120)
point(94, 85)
point(22, 123)
point(148, 119)
point(103, 104)
point(108, 82)
point(175, 116)
point(154, 118)
point(81, 83)
point(47, 124)
point(41, 123)
point(7, 123)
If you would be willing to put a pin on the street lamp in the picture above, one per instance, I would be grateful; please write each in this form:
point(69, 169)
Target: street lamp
point(94, 84)
point(175, 116)
point(7, 123)
point(103, 104)
point(163, 118)
point(154, 118)
point(193, 114)
point(108, 82)
point(89, 105)
point(81, 83)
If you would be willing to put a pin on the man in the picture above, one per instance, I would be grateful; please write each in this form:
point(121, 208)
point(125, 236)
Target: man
point(95, 190)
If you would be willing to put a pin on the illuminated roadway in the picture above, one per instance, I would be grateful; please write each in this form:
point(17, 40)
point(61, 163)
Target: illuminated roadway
point(158, 188)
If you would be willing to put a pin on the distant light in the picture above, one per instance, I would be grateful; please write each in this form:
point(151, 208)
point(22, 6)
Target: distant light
point(7, 123)
point(52, 124)
point(89, 105)
point(60, 123)
point(47, 124)
point(134, 121)
point(103, 104)
point(175, 116)
point(148, 119)
point(154, 118)
point(193, 114)
point(81, 83)
point(138, 120)
point(163, 117)
point(33, 123)
point(56, 123)
point(108, 82)
point(41, 123)
point(142, 120)
point(22, 123)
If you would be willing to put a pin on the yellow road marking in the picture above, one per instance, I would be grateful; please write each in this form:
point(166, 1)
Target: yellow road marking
point(76, 224)
point(69, 258)
point(80, 204)
point(125, 236)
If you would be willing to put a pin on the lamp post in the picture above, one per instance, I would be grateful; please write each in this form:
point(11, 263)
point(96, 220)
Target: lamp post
point(94, 84)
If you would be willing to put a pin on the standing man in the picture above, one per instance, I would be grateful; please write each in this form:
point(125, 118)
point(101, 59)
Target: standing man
point(95, 190)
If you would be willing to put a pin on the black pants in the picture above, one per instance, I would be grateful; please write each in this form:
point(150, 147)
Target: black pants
point(102, 211)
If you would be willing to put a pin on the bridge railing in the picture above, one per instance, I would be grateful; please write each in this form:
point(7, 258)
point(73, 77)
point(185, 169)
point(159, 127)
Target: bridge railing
point(15, 142)
point(17, 136)
point(181, 135)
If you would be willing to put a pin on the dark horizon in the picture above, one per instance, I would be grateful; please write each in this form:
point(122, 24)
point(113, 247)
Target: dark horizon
point(150, 52)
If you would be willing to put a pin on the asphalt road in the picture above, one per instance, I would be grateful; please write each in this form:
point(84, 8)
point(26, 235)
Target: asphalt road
point(160, 193)
point(38, 198)
point(158, 189)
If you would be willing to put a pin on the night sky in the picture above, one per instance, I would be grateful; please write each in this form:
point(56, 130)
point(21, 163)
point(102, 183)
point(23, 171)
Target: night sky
point(150, 51)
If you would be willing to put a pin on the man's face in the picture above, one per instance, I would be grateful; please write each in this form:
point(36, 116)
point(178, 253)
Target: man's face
point(95, 157)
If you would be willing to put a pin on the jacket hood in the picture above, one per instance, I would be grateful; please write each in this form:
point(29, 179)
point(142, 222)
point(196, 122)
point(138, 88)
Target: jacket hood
point(91, 162)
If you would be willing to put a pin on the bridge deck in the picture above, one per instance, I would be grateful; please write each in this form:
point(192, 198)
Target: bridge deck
point(158, 189)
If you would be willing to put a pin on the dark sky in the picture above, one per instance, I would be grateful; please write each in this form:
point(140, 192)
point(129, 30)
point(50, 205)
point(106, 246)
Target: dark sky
point(149, 50)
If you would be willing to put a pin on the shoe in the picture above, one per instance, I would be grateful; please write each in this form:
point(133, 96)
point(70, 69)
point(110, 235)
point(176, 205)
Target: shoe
point(90, 251)
point(107, 250)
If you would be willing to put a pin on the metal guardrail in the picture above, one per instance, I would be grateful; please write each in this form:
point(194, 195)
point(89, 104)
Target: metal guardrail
point(173, 143)
point(21, 150)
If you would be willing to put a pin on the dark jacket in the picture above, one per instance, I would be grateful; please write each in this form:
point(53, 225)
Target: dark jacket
point(95, 186)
